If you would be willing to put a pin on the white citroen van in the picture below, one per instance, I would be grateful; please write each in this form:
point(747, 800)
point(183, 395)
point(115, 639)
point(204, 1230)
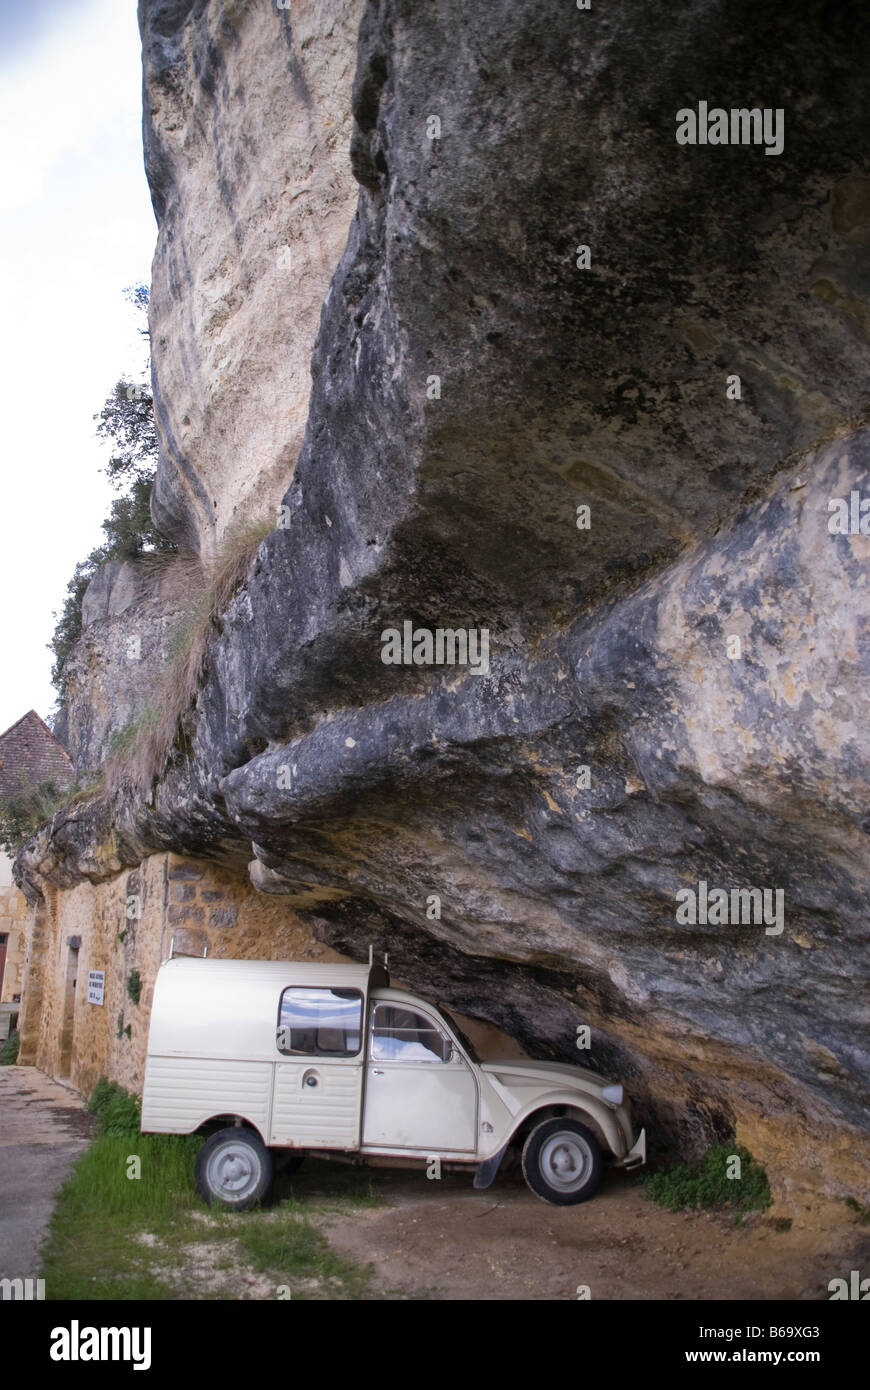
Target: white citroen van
point(274, 1060)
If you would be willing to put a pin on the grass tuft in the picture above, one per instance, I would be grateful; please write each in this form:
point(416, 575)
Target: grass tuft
point(706, 1183)
point(117, 1111)
point(34, 804)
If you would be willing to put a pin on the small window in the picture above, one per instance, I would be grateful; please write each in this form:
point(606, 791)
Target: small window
point(320, 1022)
point(400, 1035)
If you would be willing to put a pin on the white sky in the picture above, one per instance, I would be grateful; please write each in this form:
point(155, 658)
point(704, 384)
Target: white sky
point(76, 228)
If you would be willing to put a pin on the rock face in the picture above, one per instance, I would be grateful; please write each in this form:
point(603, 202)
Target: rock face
point(247, 123)
point(129, 612)
point(677, 688)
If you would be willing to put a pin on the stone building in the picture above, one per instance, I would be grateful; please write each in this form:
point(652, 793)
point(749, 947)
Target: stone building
point(29, 755)
point(13, 911)
point(93, 952)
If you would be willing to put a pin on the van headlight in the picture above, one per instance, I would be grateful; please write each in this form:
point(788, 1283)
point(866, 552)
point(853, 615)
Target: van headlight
point(614, 1095)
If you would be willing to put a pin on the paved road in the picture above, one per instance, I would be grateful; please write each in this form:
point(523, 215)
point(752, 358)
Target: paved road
point(43, 1128)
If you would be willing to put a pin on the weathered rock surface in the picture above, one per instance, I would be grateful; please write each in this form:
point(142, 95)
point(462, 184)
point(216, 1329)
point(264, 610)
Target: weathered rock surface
point(129, 612)
point(247, 123)
point(366, 788)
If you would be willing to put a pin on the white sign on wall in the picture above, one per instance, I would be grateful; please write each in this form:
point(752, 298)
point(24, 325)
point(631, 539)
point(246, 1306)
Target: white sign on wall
point(96, 986)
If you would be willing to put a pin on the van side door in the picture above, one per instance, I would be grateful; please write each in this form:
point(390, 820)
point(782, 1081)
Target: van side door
point(421, 1093)
point(319, 1072)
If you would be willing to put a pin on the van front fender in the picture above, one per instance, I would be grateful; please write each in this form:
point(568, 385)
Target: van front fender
point(597, 1110)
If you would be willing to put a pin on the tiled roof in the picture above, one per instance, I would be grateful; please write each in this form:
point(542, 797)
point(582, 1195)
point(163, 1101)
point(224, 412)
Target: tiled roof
point(30, 754)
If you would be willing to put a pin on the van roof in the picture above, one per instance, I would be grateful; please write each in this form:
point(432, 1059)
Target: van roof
point(229, 1008)
point(291, 972)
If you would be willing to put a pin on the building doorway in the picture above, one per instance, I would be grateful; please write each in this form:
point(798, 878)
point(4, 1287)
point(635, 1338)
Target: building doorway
point(69, 1012)
point(2, 960)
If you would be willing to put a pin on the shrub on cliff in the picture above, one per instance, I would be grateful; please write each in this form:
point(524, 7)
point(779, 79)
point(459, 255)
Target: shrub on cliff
point(130, 533)
point(707, 1183)
point(9, 1050)
point(21, 815)
point(127, 422)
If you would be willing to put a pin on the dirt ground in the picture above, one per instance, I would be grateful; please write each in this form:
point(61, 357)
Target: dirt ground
point(443, 1240)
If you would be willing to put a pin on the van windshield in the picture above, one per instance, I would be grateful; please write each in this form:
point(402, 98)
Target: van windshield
point(466, 1042)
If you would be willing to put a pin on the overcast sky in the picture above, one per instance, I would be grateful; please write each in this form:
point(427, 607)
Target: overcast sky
point(76, 228)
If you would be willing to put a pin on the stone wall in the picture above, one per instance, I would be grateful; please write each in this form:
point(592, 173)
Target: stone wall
point(128, 925)
point(13, 913)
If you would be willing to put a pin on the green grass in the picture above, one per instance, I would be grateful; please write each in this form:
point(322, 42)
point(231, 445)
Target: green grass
point(706, 1184)
point(292, 1252)
point(90, 1249)
point(9, 1050)
point(101, 1185)
point(93, 1247)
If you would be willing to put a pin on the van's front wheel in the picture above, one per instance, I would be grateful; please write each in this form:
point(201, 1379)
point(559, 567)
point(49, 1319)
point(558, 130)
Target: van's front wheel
point(235, 1168)
point(562, 1162)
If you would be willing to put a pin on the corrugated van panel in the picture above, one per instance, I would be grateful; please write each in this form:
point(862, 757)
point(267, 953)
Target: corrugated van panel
point(181, 1092)
point(214, 1013)
point(229, 1008)
point(323, 1116)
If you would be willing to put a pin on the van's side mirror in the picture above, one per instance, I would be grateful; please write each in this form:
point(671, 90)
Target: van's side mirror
point(447, 1050)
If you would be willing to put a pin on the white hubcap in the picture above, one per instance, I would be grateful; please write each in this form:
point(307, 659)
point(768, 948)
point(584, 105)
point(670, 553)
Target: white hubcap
point(233, 1170)
point(566, 1161)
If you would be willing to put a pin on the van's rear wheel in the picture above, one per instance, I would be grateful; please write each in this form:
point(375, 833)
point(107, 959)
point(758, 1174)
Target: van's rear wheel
point(562, 1162)
point(235, 1168)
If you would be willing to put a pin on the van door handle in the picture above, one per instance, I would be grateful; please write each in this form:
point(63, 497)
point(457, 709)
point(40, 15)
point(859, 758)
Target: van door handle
point(376, 1071)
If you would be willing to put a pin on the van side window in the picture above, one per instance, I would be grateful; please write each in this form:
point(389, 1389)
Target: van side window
point(400, 1035)
point(320, 1022)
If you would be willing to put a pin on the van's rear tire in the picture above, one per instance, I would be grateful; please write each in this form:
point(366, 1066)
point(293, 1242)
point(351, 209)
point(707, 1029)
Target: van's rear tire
point(234, 1169)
